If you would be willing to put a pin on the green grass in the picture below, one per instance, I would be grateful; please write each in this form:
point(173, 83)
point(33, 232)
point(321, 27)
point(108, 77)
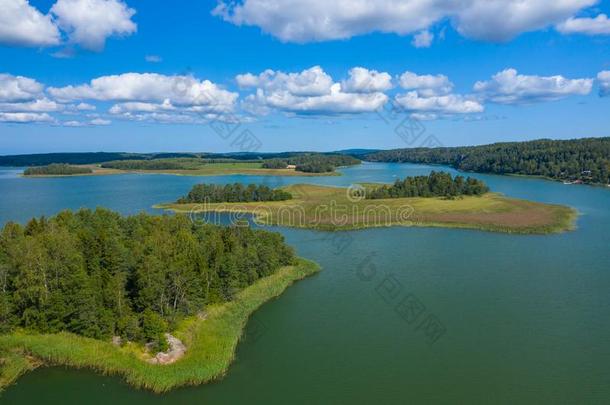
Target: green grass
point(210, 342)
point(312, 207)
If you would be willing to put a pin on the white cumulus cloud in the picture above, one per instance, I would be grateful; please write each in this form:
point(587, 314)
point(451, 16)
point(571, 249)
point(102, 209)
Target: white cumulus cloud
point(19, 88)
point(426, 85)
point(362, 80)
point(23, 118)
point(89, 22)
point(40, 105)
point(599, 25)
point(447, 104)
point(509, 87)
point(313, 91)
point(322, 20)
point(151, 88)
point(23, 25)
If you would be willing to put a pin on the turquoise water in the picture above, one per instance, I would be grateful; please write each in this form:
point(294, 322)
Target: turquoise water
point(397, 315)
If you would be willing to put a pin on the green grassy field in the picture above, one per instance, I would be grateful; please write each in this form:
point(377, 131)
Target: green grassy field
point(210, 341)
point(330, 208)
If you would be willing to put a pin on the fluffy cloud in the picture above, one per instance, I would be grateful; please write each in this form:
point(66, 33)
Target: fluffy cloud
point(447, 104)
point(85, 22)
point(426, 85)
point(312, 91)
point(100, 121)
point(362, 80)
point(321, 20)
point(22, 118)
point(121, 108)
point(23, 25)
point(89, 22)
point(509, 87)
point(599, 25)
point(93, 122)
point(310, 82)
point(423, 39)
point(431, 95)
point(18, 88)
point(603, 78)
point(151, 88)
point(40, 105)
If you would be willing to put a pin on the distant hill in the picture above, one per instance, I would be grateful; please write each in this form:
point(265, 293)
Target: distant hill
point(584, 160)
point(81, 158)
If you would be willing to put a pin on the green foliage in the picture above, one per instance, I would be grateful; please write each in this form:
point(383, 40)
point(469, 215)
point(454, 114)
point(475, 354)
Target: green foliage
point(97, 273)
point(211, 342)
point(311, 162)
point(436, 184)
point(56, 169)
point(236, 192)
point(153, 328)
point(156, 164)
point(586, 160)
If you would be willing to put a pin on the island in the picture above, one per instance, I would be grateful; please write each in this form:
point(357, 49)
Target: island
point(296, 164)
point(437, 200)
point(57, 169)
point(159, 300)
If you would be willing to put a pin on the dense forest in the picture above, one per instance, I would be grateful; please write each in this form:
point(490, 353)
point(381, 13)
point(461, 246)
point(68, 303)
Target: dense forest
point(312, 163)
point(436, 184)
point(56, 169)
point(583, 160)
point(213, 193)
point(169, 163)
point(99, 274)
point(155, 164)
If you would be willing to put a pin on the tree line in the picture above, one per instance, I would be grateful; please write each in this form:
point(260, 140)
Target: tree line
point(214, 193)
point(311, 162)
point(100, 274)
point(56, 169)
point(436, 184)
point(586, 160)
point(155, 164)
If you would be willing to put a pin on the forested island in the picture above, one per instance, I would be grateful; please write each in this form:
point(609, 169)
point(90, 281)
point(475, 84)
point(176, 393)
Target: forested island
point(312, 163)
point(584, 160)
point(70, 283)
point(57, 169)
point(436, 184)
point(337, 209)
point(237, 192)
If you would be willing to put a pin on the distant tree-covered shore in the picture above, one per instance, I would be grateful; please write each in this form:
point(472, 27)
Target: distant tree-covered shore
point(582, 160)
point(56, 169)
point(311, 163)
point(99, 274)
point(237, 192)
point(436, 184)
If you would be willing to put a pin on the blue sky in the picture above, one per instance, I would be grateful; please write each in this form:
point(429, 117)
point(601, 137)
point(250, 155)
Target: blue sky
point(307, 102)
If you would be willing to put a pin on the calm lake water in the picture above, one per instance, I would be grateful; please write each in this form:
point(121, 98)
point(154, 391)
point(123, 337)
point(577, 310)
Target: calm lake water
point(517, 319)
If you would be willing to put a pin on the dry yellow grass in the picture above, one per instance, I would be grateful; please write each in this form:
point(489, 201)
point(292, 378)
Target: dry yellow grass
point(330, 208)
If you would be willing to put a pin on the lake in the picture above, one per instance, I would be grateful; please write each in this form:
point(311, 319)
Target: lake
point(398, 315)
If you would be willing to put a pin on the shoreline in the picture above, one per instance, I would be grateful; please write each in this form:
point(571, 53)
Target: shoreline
point(211, 342)
point(312, 208)
point(195, 172)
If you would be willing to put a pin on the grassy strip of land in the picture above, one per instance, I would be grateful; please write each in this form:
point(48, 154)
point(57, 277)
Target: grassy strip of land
point(211, 342)
point(331, 208)
point(208, 169)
